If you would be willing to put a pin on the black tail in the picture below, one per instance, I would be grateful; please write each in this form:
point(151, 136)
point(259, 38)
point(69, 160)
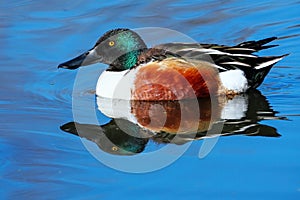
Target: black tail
point(257, 74)
point(260, 66)
point(257, 45)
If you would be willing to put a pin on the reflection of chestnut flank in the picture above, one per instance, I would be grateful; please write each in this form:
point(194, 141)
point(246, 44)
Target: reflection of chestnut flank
point(176, 116)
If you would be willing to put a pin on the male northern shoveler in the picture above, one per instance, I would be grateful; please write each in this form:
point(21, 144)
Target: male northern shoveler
point(174, 71)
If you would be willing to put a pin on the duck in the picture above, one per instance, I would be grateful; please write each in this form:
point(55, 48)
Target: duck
point(174, 71)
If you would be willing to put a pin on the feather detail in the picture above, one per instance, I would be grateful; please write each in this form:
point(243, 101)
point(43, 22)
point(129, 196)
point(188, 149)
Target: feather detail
point(239, 57)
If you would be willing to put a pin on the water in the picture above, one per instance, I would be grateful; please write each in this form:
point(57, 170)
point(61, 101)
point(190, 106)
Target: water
point(38, 160)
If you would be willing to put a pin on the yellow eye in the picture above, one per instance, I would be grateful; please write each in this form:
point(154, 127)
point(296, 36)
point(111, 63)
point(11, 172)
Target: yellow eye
point(111, 43)
point(114, 148)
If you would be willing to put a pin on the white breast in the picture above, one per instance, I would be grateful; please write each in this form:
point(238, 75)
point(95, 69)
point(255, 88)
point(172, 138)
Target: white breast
point(117, 85)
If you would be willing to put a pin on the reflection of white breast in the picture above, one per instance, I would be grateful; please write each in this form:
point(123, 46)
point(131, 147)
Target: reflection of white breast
point(116, 108)
point(235, 108)
point(116, 85)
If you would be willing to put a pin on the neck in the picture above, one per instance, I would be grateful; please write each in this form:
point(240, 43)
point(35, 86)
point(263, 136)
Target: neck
point(126, 61)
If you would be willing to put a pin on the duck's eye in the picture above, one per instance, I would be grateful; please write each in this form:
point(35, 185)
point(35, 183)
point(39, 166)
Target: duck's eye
point(111, 43)
point(114, 148)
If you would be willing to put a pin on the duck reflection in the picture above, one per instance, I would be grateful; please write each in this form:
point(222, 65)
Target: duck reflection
point(110, 137)
point(134, 123)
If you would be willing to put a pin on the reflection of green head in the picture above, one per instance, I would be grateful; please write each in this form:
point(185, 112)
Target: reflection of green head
point(110, 137)
point(118, 139)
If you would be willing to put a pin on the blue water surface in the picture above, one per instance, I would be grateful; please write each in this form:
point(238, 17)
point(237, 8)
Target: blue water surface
point(39, 161)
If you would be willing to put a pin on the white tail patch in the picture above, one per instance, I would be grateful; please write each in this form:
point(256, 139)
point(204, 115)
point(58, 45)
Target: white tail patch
point(266, 64)
point(234, 80)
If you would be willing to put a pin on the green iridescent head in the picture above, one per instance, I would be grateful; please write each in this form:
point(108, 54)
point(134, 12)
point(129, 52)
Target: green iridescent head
point(119, 48)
